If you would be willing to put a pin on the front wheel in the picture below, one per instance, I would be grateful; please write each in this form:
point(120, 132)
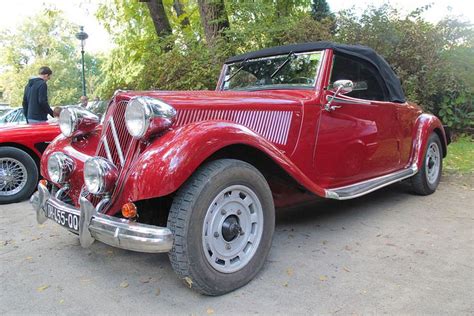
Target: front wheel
point(223, 220)
point(18, 175)
point(427, 179)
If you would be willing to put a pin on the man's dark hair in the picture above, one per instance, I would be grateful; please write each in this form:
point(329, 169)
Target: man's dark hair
point(45, 71)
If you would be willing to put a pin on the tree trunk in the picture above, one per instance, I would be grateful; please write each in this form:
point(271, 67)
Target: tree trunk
point(158, 15)
point(178, 7)
point(213, 18)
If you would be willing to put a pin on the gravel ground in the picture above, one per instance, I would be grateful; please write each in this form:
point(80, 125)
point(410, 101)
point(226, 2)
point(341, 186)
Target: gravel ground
point(388, 252)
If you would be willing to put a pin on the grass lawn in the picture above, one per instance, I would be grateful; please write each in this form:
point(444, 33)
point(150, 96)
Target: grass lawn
point(460, 157)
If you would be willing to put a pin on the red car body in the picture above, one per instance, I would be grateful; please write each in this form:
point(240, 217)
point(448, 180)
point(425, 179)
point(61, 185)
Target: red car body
point(205, 128)
point(21, 147)
point(303, 147)
point(32, 138)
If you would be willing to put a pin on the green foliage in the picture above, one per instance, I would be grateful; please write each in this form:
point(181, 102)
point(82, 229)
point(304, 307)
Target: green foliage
point(458, 112)
point(320, 10)
point(45, 39)
point(435, 62)
point(460, 155)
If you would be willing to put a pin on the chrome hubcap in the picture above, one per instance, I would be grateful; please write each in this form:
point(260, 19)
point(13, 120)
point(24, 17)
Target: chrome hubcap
point(432, 163)
point(232, 228)
point(13, 176)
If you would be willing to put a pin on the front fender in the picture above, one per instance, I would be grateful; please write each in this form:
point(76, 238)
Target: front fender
point(425, 125)
point(171, 159)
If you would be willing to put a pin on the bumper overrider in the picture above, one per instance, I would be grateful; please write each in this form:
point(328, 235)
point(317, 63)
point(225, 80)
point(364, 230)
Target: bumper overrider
point(110, 230)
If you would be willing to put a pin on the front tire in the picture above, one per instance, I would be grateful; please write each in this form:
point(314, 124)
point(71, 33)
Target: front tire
point(427, 179)
point(18, 175)
point(222, 220)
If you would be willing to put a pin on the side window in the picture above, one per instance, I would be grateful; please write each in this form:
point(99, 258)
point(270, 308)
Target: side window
point(368, 84)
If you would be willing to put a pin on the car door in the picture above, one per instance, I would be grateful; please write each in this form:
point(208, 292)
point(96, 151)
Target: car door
point(358, 140)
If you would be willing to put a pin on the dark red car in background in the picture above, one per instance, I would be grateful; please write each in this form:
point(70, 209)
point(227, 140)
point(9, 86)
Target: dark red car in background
point(21, 147)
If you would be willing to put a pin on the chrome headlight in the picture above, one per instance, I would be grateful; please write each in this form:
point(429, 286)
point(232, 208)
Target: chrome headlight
point(60, 167)
point(100, 175)
point(145, 116)
point(74, 121)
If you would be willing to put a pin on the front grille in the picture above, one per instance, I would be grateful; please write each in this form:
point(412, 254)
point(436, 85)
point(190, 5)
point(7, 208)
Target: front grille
point(115, 143)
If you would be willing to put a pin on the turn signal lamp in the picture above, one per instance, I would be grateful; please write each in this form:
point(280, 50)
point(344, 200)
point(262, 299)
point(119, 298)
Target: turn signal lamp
point(44, 182)
point(129, 210)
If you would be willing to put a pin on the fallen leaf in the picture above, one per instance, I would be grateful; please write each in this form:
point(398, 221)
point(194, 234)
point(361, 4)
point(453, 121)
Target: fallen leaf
point(210, 311)
point(29, 258)
point(124, 284)
point(61, 301)
point(158, 292)
point(42, 288)
point(145, 279)
point(323, 278)
point(188, 281)
point(289, 271)
point(346, 269)
point(285, 284)
point(348, 248)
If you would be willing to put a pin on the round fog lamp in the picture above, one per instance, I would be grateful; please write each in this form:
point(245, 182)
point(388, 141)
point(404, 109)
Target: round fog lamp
point(99, 175)
point(60, 167)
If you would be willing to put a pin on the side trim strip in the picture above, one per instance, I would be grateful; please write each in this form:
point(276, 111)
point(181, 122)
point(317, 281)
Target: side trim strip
point(358, 101)
point(358, 189)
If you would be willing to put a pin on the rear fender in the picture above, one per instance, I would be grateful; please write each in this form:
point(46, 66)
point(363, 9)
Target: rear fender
point(425, 125)
point(171, 159)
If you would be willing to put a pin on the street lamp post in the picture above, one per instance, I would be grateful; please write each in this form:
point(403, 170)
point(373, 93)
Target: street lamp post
point(82, 36)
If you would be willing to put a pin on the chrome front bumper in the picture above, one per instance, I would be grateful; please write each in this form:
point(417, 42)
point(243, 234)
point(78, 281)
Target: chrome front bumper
point(110, 230)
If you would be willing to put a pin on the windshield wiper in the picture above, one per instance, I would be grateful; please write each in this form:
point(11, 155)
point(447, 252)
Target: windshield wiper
point(291, 56)
point(242, 65)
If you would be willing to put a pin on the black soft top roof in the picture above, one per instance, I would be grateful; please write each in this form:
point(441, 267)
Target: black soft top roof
point(363, 52)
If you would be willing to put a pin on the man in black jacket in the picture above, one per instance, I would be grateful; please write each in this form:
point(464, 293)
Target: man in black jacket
point(35, 99)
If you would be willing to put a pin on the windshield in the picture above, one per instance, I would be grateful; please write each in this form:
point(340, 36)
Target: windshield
point(13, 116)
point(277, 72)
point(98, 107)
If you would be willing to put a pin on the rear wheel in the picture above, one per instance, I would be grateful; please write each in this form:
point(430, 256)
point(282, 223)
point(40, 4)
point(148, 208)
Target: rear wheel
point(223, 220)
point(18, 175)
point(427, 179)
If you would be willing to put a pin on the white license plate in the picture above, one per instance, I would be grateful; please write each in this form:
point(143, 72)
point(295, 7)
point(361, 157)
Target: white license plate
point(62, 217)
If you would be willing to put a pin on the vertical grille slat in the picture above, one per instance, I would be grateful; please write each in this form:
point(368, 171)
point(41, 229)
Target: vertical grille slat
point(115, 140)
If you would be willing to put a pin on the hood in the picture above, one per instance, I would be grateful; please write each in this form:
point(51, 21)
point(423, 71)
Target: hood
point(27, 128)
point(207, 99)
point(32, 81)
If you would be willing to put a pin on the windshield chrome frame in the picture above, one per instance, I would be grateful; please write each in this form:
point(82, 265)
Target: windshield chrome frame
point(225, 68)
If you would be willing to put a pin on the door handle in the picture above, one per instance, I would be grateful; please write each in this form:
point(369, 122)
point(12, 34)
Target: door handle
point(330, 108)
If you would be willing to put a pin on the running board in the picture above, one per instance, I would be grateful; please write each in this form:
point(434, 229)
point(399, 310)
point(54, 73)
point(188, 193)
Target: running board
point(364, 187)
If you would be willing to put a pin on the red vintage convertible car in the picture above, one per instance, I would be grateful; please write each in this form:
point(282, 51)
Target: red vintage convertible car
point(198, 174)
